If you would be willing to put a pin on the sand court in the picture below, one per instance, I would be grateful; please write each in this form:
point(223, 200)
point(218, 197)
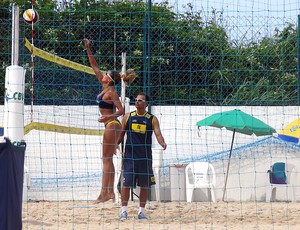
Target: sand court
point(162, 215)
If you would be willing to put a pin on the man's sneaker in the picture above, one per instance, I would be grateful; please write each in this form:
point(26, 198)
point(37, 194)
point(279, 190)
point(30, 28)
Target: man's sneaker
point(123, 215)
point(141, 216)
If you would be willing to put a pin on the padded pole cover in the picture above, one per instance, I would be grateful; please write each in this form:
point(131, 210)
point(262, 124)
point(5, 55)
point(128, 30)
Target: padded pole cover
point(14, 103)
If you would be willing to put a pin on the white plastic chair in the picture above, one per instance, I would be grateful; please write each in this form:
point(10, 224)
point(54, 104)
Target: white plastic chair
point(157, 157)
point(26, 183)
point(200, 175)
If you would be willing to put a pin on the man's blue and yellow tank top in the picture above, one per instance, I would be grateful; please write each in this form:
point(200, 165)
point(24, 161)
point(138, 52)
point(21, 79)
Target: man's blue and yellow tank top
point(139, 129)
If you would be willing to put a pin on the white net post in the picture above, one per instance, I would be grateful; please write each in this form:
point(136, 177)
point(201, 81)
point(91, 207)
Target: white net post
point(14, 89)
point(118, 157)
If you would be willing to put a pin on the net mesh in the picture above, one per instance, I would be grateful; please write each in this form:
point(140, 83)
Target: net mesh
point(193, 58)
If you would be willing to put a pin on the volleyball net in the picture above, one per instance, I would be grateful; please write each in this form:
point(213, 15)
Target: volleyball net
point(193, 60)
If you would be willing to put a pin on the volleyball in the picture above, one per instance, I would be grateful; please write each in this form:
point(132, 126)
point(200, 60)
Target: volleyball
point(30, 16)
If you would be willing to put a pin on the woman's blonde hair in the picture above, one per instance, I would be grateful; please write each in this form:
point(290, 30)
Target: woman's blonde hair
point(128, 77)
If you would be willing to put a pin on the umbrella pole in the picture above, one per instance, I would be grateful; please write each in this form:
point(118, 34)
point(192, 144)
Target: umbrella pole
point(224, 191)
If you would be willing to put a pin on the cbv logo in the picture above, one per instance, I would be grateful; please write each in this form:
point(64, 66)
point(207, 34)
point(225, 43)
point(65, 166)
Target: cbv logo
point(17, 96)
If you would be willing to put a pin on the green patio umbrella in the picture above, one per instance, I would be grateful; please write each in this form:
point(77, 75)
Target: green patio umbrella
point(236, 121)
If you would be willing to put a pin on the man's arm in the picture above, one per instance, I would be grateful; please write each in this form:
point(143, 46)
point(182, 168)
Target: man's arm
point(158, 134)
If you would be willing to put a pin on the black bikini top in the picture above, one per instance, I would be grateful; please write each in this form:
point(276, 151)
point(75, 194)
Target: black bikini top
point(102, 104)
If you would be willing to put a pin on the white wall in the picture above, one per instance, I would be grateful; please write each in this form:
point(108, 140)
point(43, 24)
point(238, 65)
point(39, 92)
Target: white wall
point(73, 162)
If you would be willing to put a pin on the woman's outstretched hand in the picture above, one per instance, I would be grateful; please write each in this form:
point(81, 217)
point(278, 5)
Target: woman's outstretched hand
point(87, 43)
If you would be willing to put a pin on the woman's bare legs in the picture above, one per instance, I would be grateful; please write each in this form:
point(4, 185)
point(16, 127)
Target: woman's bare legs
point(110, 138)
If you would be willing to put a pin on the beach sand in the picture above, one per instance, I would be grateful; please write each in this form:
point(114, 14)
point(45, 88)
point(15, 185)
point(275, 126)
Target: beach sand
point(162, 215)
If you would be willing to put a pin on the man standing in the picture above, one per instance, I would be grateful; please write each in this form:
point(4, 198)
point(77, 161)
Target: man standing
point(137, 159)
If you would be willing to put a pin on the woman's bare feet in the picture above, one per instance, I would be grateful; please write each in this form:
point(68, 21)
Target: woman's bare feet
point(105, 197)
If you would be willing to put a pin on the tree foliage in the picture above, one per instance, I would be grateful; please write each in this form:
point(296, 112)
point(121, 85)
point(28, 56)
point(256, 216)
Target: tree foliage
point(181, 59)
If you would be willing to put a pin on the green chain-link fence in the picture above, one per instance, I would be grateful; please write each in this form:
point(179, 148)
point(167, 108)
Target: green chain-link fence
point(182, 57)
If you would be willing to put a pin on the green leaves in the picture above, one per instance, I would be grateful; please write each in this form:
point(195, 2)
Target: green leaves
point(182, 58)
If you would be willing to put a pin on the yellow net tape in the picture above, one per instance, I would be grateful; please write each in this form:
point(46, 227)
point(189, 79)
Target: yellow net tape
point(61, 129)
point(70, 64)
point(58, 60)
